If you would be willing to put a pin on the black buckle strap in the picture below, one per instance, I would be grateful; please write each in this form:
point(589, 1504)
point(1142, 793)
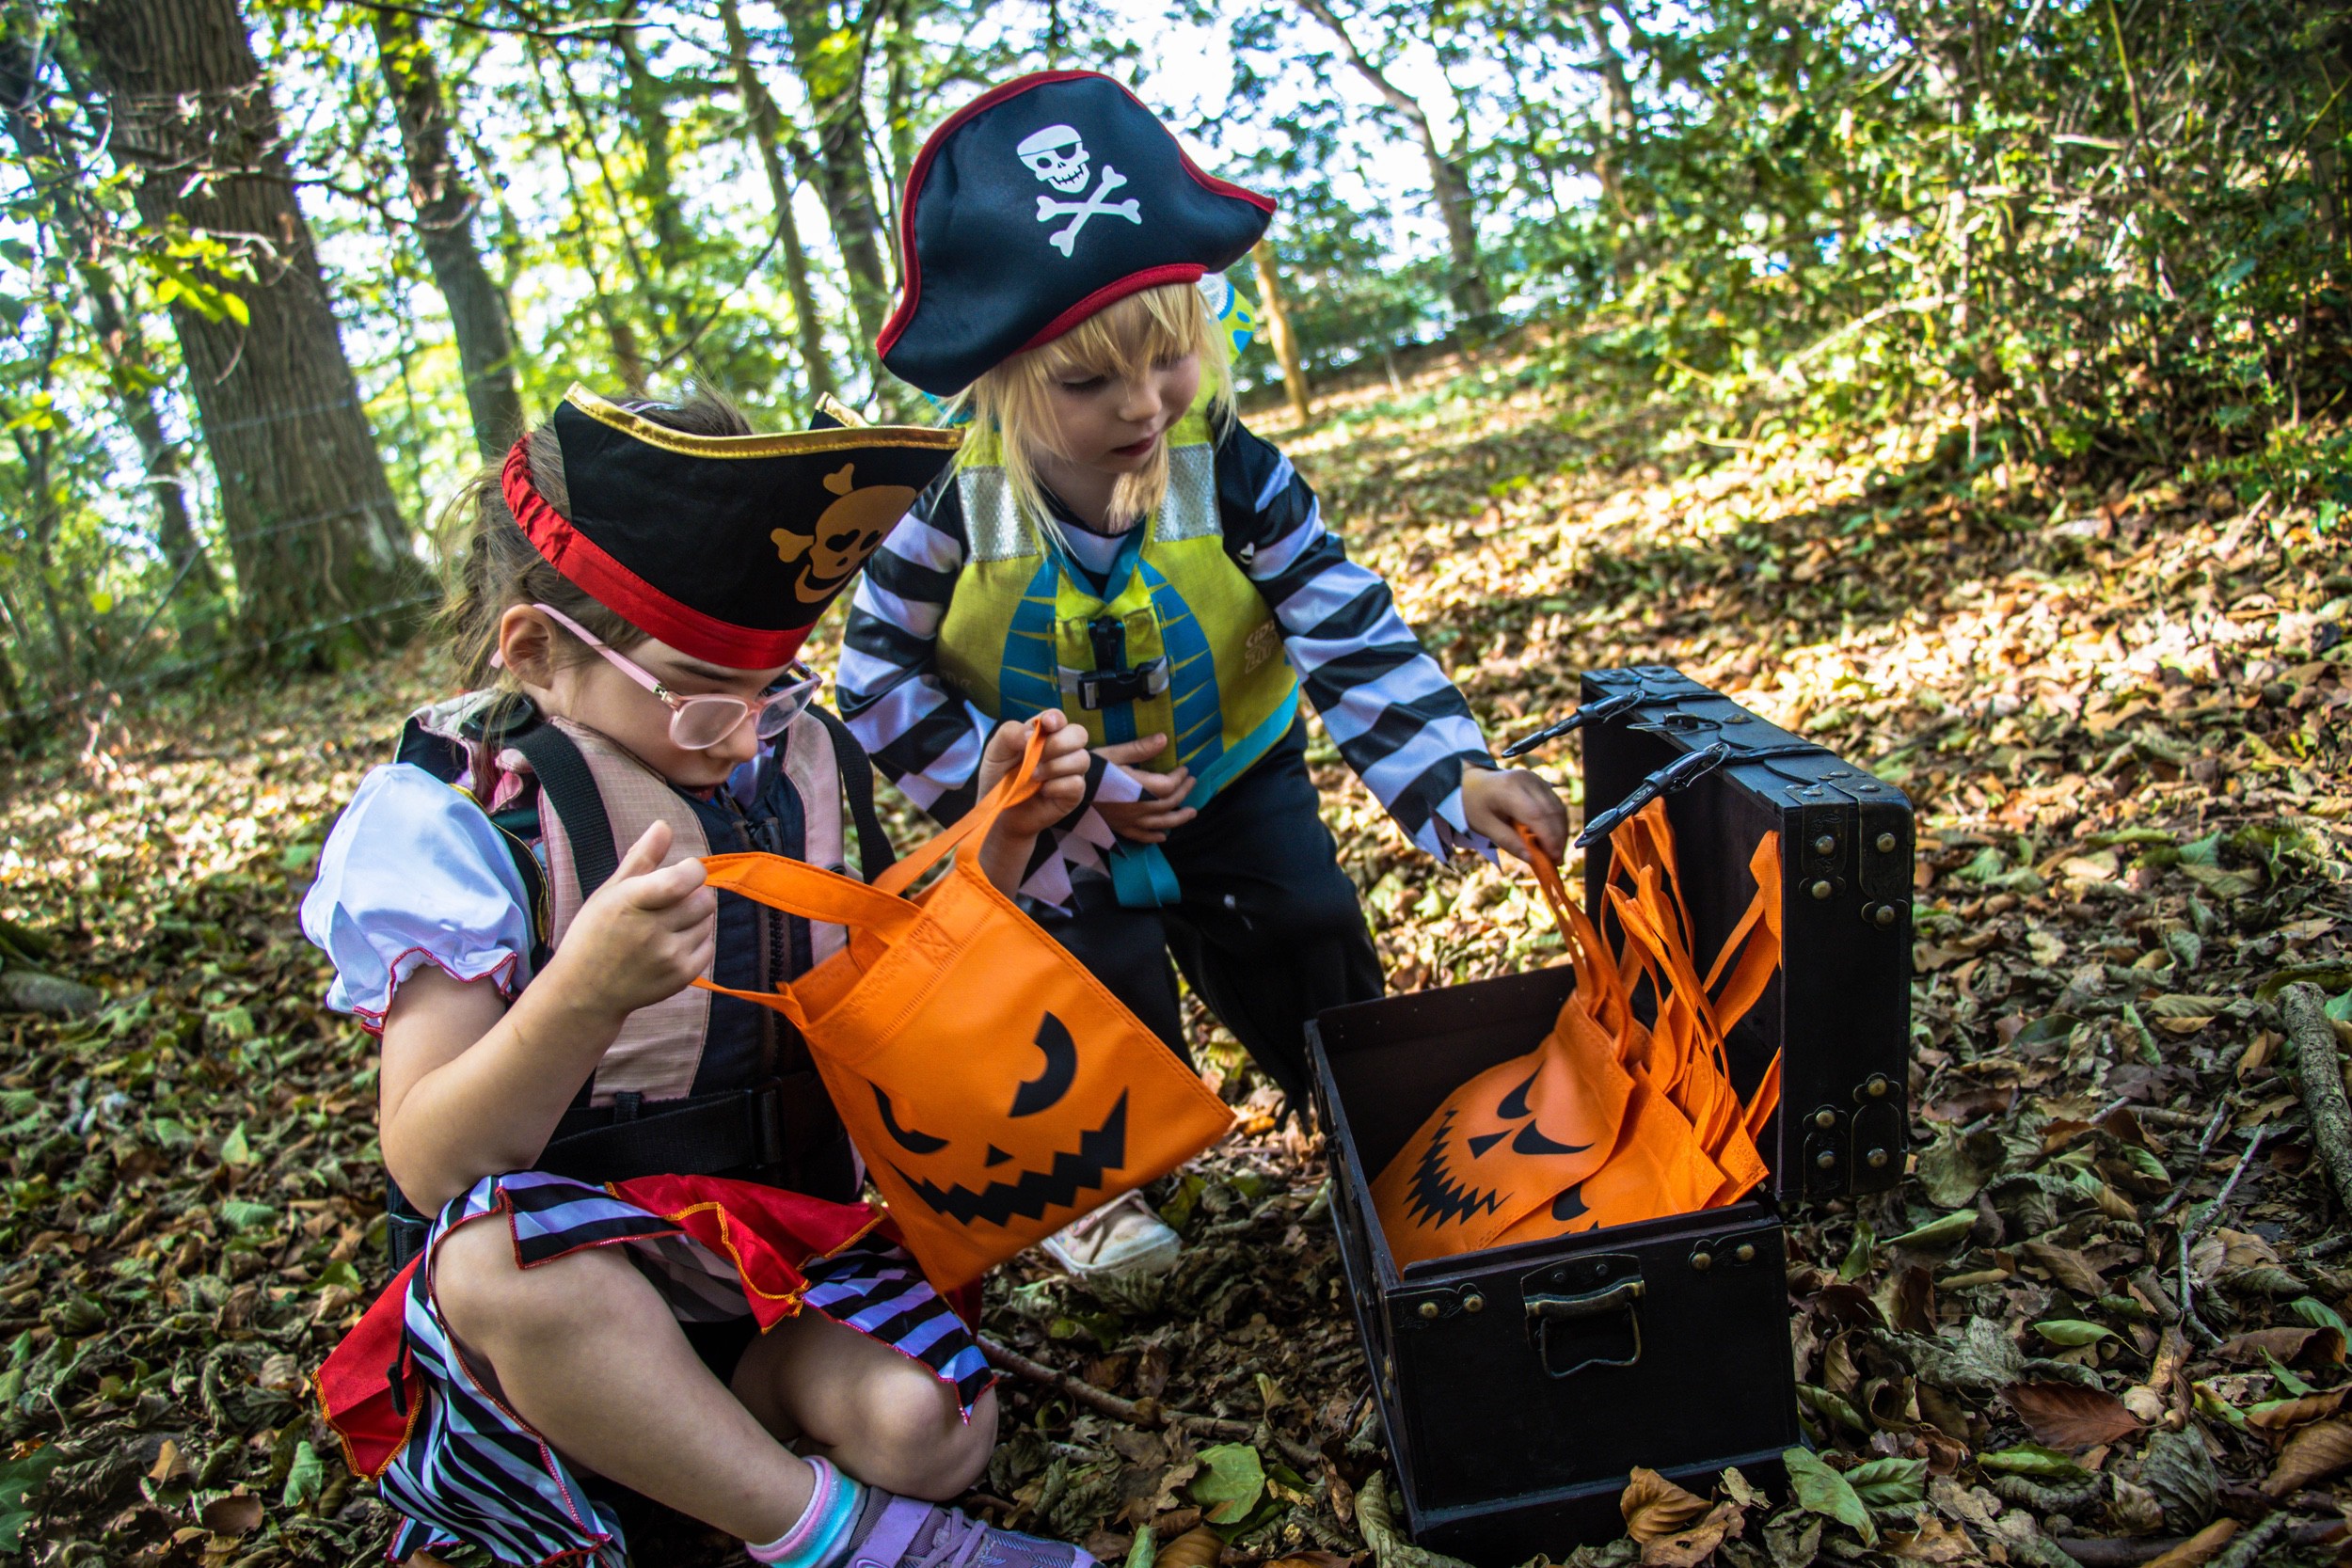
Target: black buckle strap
point(1097, 690)
point(755, 1131)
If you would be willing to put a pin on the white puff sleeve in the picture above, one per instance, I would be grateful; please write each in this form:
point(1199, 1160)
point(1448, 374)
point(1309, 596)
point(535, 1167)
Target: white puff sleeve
point(415, 873)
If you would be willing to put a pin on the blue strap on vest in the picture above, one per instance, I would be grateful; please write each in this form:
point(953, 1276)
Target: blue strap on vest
point(1141, 874)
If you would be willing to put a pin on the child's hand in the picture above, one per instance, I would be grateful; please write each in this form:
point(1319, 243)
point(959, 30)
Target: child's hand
point(644, 935)
point(1162, 809)
point(1497, 801)
point(1062, 772)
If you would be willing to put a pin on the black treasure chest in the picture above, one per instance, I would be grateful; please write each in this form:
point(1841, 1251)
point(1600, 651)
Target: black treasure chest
point(1519, 1384)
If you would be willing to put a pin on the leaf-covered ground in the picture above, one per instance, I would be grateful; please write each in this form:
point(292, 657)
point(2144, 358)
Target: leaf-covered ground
point(2118, 711)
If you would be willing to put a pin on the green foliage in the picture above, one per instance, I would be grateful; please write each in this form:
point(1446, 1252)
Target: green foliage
point(2096, 242)
point(1823, 1491)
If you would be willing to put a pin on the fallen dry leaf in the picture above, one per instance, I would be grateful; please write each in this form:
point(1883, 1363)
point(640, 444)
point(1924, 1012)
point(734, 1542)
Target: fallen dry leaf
point(1934, 1542)
point(2286, 1414)
point(2066, 1416)
point(1687, 1548)
point(2067, 1267)
point(1655, 1508)
point(2304, 1346)
point(2199, 1549)
point(1198, 1548)
point(2311, 1453)
point(238, 1513)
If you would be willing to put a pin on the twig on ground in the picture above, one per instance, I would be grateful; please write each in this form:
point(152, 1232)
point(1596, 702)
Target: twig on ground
point(2318, 1069)
point(2250, 1546)
point(1140, 1413)
point(2213, 1130)
point(2203, 1222)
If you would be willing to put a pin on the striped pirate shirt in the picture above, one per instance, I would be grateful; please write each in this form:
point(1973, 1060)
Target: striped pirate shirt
point(1401, 725)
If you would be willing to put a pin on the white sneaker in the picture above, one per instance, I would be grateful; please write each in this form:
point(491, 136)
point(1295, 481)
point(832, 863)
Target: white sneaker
point(1122, 1238)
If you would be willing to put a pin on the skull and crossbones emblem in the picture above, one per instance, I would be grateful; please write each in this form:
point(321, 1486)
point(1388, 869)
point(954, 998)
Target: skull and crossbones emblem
point(1057, 156)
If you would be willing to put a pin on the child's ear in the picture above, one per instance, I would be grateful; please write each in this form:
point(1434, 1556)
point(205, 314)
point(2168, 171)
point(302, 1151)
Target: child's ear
point(527, 644)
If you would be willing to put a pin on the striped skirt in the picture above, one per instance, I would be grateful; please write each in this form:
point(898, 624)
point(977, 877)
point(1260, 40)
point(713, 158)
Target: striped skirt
point(460, 1468)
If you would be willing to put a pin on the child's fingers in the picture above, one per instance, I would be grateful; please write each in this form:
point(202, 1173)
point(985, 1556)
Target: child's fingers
point(1128, 752)
point(1065, 752)
point(662, 889)
point(1051, 719)
point(695, 909)
point(645, 853)
point(1166, 789)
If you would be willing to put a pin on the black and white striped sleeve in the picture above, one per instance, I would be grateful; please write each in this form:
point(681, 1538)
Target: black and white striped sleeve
point(1401, 725)
point(925, 738)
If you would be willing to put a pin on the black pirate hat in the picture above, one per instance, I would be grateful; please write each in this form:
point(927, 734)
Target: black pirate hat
point(1036, 204)
point(727, 547)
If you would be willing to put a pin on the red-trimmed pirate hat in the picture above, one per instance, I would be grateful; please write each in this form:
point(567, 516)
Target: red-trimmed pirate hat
point(726, 547)
point(1036, 204)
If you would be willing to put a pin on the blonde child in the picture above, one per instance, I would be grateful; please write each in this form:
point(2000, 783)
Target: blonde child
point(1115, 546)
point(646, 1265)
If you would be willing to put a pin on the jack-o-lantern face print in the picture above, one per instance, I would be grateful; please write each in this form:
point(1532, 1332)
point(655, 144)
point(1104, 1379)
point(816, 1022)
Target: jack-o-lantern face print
point(1064, 1161)
point(1460, 1176)
point(1511, 1140)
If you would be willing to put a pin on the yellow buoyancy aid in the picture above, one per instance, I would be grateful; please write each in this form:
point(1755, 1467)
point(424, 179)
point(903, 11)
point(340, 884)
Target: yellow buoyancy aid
point(1174, 639)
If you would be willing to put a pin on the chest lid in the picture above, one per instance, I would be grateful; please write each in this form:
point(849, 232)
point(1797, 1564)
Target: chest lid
point(1838, 1011)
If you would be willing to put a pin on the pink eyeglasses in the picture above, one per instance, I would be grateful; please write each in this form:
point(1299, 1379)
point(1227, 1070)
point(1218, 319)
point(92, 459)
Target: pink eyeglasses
point(699, 722)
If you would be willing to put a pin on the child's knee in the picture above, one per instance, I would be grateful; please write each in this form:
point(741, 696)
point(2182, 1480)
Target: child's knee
point(487, 1297)
point(914, 1441)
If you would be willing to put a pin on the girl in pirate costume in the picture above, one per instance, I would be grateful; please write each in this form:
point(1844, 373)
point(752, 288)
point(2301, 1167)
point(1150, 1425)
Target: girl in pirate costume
point(1115, 546)
point(646, 1265)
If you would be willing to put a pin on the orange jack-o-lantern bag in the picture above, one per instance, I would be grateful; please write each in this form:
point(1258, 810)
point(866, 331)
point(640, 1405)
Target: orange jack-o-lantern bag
point(1607, 1122)
point(995, 1087)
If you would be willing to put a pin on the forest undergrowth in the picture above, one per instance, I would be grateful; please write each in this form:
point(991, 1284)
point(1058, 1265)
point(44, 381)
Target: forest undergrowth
point(2119, 709)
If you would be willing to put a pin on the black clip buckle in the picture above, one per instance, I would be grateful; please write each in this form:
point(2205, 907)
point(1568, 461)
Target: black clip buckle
point(1097, 690)
point(1679, 774)
point(763, 1107)
point(1591, 713)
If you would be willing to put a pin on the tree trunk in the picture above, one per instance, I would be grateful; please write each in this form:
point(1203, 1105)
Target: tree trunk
point(307, 512)
point(445, 229)
point(830, 77)
point(1616, 105)
point(760, 113)
point(126, 347)
point(902, 54)
point(1278, 320)
point(1448, 187)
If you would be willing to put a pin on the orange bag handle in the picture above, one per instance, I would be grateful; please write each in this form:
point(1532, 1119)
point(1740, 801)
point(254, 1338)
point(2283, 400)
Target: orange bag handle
point(815, 893)
point(1594, 976)
point(1012, 790)
point(873, 911)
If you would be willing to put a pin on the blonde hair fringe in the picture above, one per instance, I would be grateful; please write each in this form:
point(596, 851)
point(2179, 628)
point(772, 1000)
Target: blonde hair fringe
point(1014, 402)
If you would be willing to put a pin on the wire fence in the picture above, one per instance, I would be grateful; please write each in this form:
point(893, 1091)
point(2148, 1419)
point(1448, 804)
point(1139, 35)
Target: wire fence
point(111, 663)
point(243, 649)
